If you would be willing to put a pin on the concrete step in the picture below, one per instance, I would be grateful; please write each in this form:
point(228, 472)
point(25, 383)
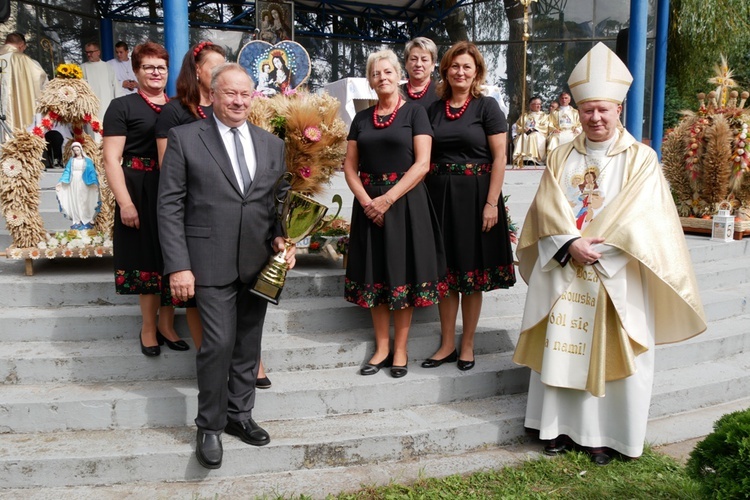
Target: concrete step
point(699, 385)
point(167, 454)
point(79, 282)
point(28, 362)
point(294, 395)
point(726, 303)
point(702, 249)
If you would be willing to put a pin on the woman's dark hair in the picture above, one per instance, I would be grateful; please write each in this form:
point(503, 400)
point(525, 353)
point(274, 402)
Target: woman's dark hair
point(188, 86)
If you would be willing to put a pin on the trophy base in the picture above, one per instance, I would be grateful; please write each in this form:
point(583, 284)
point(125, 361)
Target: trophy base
point(266, 290)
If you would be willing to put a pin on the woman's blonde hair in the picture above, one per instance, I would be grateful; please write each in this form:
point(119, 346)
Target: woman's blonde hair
point(387, 55)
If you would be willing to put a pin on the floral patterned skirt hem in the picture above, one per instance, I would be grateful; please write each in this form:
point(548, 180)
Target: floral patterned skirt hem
point(396, 298)
point(481, 280)
point(136, 282)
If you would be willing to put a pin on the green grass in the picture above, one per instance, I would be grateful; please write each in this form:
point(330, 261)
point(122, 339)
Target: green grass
point(574, 476)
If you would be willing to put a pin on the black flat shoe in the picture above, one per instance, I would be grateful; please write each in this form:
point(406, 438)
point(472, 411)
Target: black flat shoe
point(600, 458)
point(179, 345)
point(208, 450)
point(465, 365)
point(434, 363)
point(399, 371)
point(372, 369)
point(263, 383)
point(249, 432)
point(148, 351)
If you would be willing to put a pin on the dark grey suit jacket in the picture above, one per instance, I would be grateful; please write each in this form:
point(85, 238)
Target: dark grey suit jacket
point(206, 224)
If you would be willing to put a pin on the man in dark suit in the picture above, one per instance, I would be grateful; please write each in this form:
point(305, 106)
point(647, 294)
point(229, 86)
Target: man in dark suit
point(218, 227)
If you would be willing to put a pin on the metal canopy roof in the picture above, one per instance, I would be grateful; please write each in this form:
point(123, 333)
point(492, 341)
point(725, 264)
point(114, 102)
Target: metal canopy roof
point(381, 20)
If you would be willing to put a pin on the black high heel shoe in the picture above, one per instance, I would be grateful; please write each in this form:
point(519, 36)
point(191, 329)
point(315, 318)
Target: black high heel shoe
point(372, 369)
point(179, 345)
point(434, 363)
point(148, 351)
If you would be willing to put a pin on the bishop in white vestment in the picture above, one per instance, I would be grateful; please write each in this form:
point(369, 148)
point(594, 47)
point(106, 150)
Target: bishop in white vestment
point(609, 277)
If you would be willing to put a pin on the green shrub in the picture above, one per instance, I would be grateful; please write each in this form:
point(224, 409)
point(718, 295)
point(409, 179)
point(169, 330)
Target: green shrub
point(721, 462)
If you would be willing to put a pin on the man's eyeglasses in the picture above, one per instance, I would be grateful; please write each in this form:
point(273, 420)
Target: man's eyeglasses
point(149, 68)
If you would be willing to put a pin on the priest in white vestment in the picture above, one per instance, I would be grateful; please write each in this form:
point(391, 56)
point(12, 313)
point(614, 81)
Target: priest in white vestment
point(101, 77)
point(22, 79)
point(609, 277)
point(123, 68)
point(530, 145)
point(564, 124)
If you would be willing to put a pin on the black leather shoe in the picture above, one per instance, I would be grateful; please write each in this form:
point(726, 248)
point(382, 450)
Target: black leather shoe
point(263, 383)
point(208, 450)
point(179, 345)
point(465, 365)
point(601, 458)
point(399, 371)
point(249, 432)
point(434, 363)
point(563, 444)
point(148, 351)
point(372, 369)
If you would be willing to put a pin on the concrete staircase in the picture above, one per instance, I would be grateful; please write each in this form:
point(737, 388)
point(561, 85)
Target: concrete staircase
point(81, 406)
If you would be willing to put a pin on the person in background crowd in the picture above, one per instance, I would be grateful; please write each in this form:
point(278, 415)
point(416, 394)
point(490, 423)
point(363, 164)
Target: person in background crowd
point(602, 291)
point(396, 260)
point(553, 106)
point(564, 124)
point(465, 184)
point(532, 128)
point(132, 169)
point(123, 69)
point(100, 76)
point(420, 56)
point(22, 82)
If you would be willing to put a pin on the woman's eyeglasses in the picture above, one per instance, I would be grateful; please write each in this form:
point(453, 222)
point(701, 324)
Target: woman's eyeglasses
point(149, 68)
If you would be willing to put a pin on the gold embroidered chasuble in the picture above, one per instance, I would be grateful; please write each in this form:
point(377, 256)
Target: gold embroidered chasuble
point(22, 82)
point(640, 221)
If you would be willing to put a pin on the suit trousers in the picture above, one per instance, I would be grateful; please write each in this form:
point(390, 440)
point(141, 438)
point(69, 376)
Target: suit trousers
point(228, 360)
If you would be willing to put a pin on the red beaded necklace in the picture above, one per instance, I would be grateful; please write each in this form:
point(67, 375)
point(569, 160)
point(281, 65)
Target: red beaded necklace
point(389, 120)
point(200, 112)
point(455, 116)
point(417, 95)
point(151, 104)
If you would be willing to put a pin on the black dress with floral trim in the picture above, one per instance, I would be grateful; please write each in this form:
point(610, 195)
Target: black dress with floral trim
point(458, 182)
point(137, 254)
point(401, 264)
point(173, 114)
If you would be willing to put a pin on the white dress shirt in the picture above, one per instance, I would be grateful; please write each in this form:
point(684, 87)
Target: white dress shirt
point(247, 144)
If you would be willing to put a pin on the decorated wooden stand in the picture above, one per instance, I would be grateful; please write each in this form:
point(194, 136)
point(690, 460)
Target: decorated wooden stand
point(707, 161)
point(69, 100)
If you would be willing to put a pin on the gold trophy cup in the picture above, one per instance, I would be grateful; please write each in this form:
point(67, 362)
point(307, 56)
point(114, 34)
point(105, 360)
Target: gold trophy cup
point(300, 217)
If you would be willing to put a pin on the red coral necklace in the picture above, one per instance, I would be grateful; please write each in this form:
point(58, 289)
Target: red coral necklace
point(455, 116)
point(378, 123)
point(417, 95)
point(201, 113)
point(151, 104)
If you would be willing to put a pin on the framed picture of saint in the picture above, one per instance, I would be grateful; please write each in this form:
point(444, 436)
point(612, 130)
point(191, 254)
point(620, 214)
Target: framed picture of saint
point(274, 21)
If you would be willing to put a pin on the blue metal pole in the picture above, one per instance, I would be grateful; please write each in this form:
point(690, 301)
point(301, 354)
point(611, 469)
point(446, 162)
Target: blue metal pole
point(107, 38)
point(637, 67)
point(660, 75)
point(176, 38)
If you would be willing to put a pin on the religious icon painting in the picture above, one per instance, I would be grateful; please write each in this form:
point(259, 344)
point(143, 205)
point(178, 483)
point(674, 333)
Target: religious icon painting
point(274, 21)
point(275, 69)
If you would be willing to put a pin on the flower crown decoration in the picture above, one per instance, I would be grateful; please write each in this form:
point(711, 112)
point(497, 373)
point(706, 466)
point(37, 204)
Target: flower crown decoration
point(197, 50)
point(68, 70)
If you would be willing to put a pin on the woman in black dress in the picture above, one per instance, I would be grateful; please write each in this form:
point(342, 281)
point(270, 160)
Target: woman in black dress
point(420, 57)
point(396, 259)
point(130, 163)
point(465, 184)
